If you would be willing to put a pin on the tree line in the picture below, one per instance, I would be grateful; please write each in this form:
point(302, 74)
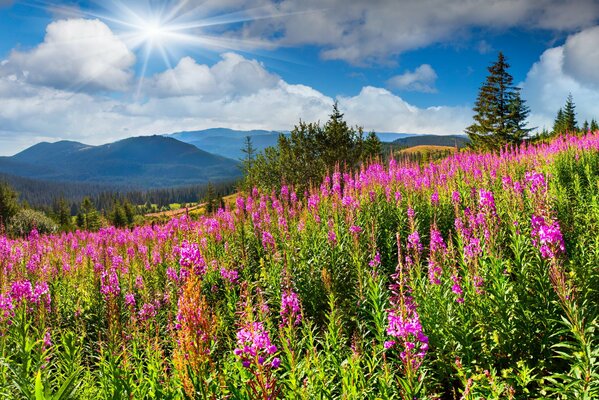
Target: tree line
point(500, 114)
point(308, 153)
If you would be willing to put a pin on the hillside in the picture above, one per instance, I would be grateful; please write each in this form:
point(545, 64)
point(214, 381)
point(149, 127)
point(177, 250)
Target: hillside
point(140, 162)
point(474, 277)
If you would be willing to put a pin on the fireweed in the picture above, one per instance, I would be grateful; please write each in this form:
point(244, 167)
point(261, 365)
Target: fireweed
point(492, 232)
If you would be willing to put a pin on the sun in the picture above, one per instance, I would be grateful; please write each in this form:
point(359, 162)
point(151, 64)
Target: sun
point(154, 31)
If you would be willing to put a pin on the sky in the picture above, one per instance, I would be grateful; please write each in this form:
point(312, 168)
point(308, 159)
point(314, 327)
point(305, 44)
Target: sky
point(100, 71)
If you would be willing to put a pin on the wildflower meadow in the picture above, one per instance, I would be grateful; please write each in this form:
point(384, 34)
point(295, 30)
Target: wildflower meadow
point(476, 277)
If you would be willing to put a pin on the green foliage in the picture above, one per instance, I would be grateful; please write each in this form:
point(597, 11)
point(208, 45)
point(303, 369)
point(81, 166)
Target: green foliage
point(500, 113)
point(9, 204)
point(88, 217)
point(26, 220)
point(565, 120)
point(308, 153)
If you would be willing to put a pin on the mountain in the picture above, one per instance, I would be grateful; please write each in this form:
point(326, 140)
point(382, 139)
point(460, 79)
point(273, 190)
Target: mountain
point(432, 140)
point(229, 142)
point(142, 162)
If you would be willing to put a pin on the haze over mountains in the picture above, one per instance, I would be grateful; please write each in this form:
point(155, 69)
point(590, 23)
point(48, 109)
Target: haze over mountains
point(229, 142)
point(150, 162)
point(143, 162)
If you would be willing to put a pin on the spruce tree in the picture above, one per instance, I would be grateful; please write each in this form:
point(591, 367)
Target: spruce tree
point(247, 163)
point(570, 124)
point(500, 113)
point(585, 126)
point(559, 123)
point(594, 125)
point(9, 204)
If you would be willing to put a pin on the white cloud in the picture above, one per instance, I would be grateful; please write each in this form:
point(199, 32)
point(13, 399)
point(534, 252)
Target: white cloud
point(234, 75)
point(581, 56)
point(77, 54)
point(361, 31)
point(422, 79)
point(31, 112)
point(380, 110)
point(563, 70)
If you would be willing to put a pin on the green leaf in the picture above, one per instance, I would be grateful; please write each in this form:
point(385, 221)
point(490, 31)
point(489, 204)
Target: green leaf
point(39, 387)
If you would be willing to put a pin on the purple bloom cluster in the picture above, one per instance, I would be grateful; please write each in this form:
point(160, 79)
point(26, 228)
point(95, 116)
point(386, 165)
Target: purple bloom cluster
point(290, 309)
point(404, 325)
point(190, 257)
point(253, 345)
point(23, 291)
point(110, 286)
point(547, 237)
point(230, 275)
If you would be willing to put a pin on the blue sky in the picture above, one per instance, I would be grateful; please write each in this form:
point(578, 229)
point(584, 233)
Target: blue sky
point(100, 71)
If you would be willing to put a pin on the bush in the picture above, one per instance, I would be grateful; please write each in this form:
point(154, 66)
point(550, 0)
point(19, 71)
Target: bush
point(25, 221)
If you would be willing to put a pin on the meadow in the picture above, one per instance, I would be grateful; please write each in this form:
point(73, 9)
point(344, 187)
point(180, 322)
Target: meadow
point(475, 277)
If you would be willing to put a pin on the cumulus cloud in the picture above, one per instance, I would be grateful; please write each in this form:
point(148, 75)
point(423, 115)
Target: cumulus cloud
point(31, 112)
point(562, 70)
point(581, 56)
point(360, 31)
point(234, 75)
point(76, 54)
point(422, 79)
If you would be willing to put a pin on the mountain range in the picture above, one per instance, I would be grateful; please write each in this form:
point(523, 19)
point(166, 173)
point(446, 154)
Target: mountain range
point(150, 162)
point(139, 162)
point(229, 142)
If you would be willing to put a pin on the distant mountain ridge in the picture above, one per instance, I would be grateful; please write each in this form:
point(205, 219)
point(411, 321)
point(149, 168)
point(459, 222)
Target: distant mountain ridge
point(144, 162)
point(230, 142)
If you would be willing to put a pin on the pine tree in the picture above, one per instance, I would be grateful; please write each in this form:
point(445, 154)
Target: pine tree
point(594, 126)
point(585, 126)
point(211, 199)
point(9, 204)
point(372, 146)
point(570, 124)
point(559, 123)
point(500, 112)
point(247, 163)
point(62, 213)
point(88, 217)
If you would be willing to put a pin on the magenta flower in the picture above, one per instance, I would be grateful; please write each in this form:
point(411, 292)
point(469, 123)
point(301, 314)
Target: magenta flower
point(290, 309)
point(254, 345)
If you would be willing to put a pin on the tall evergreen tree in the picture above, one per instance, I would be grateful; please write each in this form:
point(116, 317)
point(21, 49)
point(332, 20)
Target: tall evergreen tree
point(9, 204)
point(559, 123)
point(570, 124)
point(211, 199)
point(372, 146)
point(62, 213)
point(585, 126)
point(500, 112)
point(88, 217)
point(247, 162)
point(594, 125)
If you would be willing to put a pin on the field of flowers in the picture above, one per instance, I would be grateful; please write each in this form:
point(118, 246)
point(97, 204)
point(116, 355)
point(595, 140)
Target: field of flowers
point(476, 277)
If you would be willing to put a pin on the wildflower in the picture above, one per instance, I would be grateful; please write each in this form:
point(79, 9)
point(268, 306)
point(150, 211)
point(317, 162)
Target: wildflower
point(190, 257)
point(230, 275)
point(290, 309)
point(355, 229)
point(435, 198)
point(376, 261)
point(253, 342)
point(547, 237)
point(414, 242)
point(130, 300)
point(332, 237)
point(457, 289)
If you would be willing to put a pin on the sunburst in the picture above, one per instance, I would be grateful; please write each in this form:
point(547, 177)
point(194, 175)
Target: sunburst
point(166, 28)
